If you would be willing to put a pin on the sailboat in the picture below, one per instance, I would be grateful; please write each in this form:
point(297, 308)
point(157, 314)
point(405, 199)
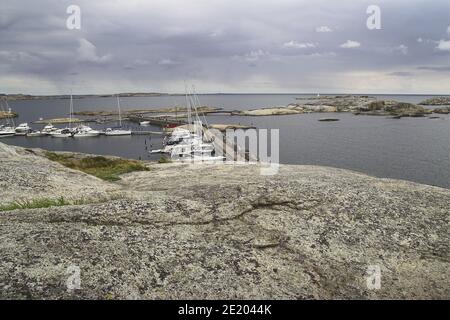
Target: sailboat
point(65, 132)
point(186, 145)
point(7, 130)
point(118, 131)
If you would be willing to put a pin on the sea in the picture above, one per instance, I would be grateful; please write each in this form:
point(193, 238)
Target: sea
point(414, 149)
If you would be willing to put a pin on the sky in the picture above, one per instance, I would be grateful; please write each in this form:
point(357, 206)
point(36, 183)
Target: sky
point(229, 46)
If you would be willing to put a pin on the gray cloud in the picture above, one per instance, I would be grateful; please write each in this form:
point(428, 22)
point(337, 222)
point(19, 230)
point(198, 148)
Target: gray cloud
point(234, 46)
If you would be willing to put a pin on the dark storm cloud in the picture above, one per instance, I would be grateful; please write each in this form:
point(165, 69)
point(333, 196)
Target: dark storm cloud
point(235, 46)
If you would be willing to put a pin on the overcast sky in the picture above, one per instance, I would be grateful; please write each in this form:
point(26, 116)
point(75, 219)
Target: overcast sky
point(225, 46)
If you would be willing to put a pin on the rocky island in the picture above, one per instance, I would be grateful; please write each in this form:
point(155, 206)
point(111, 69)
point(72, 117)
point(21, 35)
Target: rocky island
point(8, 114)
point(437, 101)
point(181, 231)
point(358, 105)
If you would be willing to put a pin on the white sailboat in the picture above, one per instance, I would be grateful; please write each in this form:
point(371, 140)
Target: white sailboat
point(7, 130)
point(118, 131)
point(186, 145)
point(65, 132)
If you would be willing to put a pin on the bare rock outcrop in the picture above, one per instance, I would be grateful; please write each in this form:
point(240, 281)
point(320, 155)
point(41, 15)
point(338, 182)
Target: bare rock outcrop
point(437, 101)
point(393, 108)
point(25, 175)
point(224, 231)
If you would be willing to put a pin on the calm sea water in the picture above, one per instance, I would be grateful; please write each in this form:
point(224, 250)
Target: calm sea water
point(416, 149)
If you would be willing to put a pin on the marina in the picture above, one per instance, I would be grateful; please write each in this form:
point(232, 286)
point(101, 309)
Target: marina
point(361, 143)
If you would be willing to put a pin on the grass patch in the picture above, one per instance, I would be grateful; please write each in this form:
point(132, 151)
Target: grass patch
point(164, 159)
point(59, 202)
point(101, 167)
point(35, 204)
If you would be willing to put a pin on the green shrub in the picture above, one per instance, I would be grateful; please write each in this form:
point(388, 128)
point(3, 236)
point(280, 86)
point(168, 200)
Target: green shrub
point(101, 167)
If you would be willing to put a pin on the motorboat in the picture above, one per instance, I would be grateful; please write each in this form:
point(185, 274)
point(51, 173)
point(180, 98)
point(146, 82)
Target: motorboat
point(36, 134)
point(6, 131)
point(118, 131)
point(85, 131)
point(48, 129)
point(22, 129)
point(62, 133)
point(144, 123)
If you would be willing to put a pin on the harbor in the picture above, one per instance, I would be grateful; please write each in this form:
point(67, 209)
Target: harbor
point(357, 142)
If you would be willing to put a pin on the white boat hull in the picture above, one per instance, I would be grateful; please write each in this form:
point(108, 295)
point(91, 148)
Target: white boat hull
point(118, 133)
point(86, 134)
point(61, 135)
point(36, 134)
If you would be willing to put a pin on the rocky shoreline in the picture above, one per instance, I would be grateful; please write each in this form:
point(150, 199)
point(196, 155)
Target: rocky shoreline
point(437, 101)
point(8, 115)
point(181, 231)
point(358, 105)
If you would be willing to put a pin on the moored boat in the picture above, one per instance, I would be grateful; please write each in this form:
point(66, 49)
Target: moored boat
point(118, 131)
point(6, 131)
point(48, 129)
point(22, 129)
point(85, 131)
point(36, 134)
point(62, 133)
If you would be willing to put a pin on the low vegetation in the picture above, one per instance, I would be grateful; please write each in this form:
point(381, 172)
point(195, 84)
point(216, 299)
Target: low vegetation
point(101, 167)
point(164, 159)
point(34, 204)
point(59, 202)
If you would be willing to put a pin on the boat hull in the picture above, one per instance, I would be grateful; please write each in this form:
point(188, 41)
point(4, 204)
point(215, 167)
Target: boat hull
point(61, 135)
point(86, 134)
point(118, 133)
point(36, 134)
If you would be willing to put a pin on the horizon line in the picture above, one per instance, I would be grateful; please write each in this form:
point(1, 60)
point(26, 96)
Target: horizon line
point(223, 93)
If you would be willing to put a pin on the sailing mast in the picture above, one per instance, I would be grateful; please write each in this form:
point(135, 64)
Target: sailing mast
point(10, 118)
point(120, 116)
point(70, 110)
point(188, 106)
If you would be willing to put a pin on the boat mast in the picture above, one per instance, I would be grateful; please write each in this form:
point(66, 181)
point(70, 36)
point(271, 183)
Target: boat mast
point(120, 117)
point(188, 106)
point(9, 118)
point(70, 110)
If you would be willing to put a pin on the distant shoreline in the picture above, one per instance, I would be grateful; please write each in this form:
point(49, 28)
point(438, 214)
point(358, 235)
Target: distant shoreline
point(20, 96)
